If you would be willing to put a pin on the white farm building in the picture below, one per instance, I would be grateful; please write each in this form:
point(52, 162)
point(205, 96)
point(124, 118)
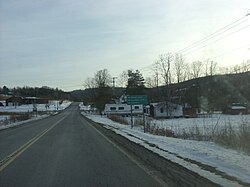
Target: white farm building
point(166, 110)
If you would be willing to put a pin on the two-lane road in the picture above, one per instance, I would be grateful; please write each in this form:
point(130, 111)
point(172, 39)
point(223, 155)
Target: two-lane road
point(64, 150)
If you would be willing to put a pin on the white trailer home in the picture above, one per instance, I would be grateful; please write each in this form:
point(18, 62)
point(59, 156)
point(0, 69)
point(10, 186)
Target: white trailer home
point(166, 110)
point(122, 109)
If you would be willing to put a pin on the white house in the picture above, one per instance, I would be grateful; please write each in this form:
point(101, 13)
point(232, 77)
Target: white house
point(166, 110)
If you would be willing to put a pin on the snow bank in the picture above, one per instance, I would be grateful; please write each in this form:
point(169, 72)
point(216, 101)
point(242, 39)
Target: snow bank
point(22, 122)
point(193, 155)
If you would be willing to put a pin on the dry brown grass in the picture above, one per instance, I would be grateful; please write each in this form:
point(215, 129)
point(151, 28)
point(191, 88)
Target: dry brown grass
point(118, 119)
point(19, 117)
point(227, 135)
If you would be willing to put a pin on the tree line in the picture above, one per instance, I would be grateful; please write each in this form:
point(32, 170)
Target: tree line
point(42, 92)
point(167, 70)
point(171, 68)
point(100, 89)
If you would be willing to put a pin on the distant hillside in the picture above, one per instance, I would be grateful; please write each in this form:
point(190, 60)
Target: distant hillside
point(210, 93)
point(87, 94)
point(207, 93)
point(76, 95)
point(42, 92)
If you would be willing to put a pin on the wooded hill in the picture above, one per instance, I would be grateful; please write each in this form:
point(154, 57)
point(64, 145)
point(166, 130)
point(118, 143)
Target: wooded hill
point(208, 93)
point(42, 92)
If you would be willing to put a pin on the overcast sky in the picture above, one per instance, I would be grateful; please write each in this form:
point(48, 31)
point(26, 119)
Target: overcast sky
point(59, 43)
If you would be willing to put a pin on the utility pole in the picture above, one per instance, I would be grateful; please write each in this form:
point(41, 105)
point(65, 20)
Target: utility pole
point(114, 81)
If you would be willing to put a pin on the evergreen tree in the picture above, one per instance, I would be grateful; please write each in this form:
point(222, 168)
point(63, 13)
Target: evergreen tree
point(136, 84)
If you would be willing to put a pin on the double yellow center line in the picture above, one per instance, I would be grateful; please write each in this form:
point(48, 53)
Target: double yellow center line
point(10, 158)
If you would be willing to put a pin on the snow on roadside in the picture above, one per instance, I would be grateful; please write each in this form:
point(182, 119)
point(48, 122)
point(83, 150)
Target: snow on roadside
point(22, 122)
point(65, 104)
point(40, 107)
point(29, 108)
point(231, 162)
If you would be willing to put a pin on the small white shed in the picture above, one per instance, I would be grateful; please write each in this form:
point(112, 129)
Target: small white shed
point(166, 110)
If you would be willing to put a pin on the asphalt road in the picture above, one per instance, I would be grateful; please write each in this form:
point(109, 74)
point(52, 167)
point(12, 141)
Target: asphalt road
point(65, 150)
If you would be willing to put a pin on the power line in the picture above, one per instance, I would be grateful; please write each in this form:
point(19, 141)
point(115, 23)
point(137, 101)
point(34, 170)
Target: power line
point(210, 36)
point(217, 40)
point(214, 34)
point(230, 51)
point(245, 57)
point(113, 81)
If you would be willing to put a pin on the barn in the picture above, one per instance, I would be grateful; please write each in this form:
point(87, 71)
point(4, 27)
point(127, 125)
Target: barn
point(237, 109)
point(14, 101)
point(32, 100)
point(17, 101)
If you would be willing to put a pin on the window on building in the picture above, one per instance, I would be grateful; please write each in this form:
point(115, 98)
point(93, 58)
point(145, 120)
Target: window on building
point(112, 108)
point(162, 110)
point(120, 108)
point(136, 107)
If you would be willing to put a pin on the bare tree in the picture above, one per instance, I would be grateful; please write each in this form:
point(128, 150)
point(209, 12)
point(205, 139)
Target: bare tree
point(100, 91)
point(156, 71)
point(186, 72)
point(179, 67)
point(212, 68)
point(123, 78)
point(236, 69)
point(149, 82)
point(206, 63)
point(245, 66)
point(165, 64)
point(223, 70)
point(89, 83)
point(102, 78)
point(196, 69)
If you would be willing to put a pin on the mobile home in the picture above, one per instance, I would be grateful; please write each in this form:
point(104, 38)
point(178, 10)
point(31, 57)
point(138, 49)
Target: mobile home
point(122, 109)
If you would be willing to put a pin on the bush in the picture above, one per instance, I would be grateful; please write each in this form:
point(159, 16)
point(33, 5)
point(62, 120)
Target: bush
point(118, 119)
point(236, 139)
point(138, 122)
point(244, 137)
point(153, 129)
point(226, 135)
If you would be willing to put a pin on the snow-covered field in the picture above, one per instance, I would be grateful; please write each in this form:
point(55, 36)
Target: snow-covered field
point(52, 106)
point(5, 121)
point(3, 126)
point(189, 153)
point(205, 126)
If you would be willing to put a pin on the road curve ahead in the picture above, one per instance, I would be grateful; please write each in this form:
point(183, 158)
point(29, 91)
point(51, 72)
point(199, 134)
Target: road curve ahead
point(64, 150)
